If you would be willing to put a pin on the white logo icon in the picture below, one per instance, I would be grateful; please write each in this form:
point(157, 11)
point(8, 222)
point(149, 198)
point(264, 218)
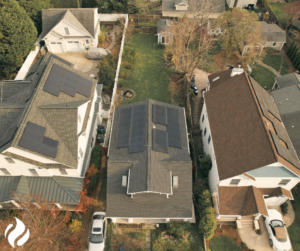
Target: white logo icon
point(17, 232)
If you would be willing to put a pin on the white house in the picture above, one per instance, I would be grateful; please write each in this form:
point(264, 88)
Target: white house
point(240, 3)
point(254, 163)
point(47, 131)
point(69, 30)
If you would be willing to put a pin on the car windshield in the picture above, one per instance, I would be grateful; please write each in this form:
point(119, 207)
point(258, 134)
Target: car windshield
point(96, 238)
point(98, 217)
point(277, 223)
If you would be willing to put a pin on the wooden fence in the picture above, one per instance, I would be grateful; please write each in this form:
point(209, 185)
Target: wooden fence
point(150, 20)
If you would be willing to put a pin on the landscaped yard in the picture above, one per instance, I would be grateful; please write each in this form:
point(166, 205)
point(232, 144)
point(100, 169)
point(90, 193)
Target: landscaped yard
point(277, 62)
point(294, 229)
point(263, 76)
point(149, 76)
point(223, 243)
point(278, 11)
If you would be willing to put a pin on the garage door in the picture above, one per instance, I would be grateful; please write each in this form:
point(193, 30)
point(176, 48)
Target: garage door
point(74, 46)
point(57, 47)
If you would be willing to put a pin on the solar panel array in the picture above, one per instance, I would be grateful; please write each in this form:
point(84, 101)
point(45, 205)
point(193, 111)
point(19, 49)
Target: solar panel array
point(160, 140)
point(174, 133)
point(33, 139)
point(63, 80)
point(123, 132)
point(159, 114)
point(137, 132)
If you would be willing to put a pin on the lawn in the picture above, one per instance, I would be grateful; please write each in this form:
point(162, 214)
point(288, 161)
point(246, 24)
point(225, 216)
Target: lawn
point(263, 76)
point(223, 243)
point(277, 61)
point(294, 229)
point(209, 65)
point(149, 77)
point(64, 3)
point(280, 14)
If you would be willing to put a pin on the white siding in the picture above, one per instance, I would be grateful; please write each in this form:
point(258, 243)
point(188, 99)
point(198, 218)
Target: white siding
point(73, 32)
point(81, 112)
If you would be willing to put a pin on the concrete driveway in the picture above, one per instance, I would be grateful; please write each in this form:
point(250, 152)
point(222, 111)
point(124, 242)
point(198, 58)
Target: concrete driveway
point(200, 79)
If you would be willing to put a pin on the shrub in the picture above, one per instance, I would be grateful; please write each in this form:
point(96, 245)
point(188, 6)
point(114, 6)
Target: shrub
point(123, 75)
point(258, 232)
point(177, 229)
point(75, 225)
point(285, 208)
point(244, 245)
point(107, 70)
point(128, 66)
point(76, 217)
point(93, 182)
point(205, 166)
point(204, 200)
point(128, 54)
point(101, 37)
point(95, 156)
point(208, 224)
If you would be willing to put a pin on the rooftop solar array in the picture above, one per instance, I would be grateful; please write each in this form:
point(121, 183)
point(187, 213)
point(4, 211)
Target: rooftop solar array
point(63, 80)
point(33, 139)
point(159, 114)
point(137, 132)
point(123, 132)
point(174, 133)
point(160, 140)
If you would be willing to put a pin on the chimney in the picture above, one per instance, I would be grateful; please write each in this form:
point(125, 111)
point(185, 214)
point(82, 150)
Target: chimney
point(236, 71)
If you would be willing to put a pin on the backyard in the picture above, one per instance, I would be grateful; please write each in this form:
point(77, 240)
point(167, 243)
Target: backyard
point(278, 11)
point(263, 76)
point(209, 64)
point(145, 73)
point(294, 229)
point(223, 243)
point(278, 63)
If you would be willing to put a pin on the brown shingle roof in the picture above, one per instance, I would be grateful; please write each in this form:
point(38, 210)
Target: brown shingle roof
point(241, 201)
point(277, 191)
point(239, 138)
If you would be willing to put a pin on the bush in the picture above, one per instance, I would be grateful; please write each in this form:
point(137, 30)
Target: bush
point(123, 75)
point(128, 54)
point(75, 225)
point(101, 37)
point(258, 232)
point(177, 229)
point(285, 208)
point(95, 156)
point(208, 224)
point(204, 200)
point(76, 217)
point(93, 181)
point(107, 70)
point(128, 66)
point(205, 166)
point(244, 245)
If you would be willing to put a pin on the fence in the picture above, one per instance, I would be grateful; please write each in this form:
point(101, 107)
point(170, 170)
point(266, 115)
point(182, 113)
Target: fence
point(149, 20)
point(27, 63)
point(111, 17)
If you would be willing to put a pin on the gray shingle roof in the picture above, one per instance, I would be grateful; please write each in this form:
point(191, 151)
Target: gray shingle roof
point(288, 80)
point(162, 25)
point(272, 32)
point(57, 189)
point(149, 171)
point(85, 17)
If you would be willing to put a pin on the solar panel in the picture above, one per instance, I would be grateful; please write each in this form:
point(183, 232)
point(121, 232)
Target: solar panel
point(160, 140)
point(174, 132)
point(159, 114)
point(49, 147)
point(137, 132)
point(123, 131)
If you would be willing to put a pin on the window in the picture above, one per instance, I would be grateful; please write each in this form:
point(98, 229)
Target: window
point(33, 172)
point(175, 181)
point(63, 171)
point(204, 131)
point(87, 41)
point(10, 160)
point(283, 182)
point(235, 182)
point(67, 31)
point(209, 139)
point(274, 44)
point(80, 152)
point(124, 180)
point(4, 170)
point(79, 118)
point(162, 39)
point(202, 118)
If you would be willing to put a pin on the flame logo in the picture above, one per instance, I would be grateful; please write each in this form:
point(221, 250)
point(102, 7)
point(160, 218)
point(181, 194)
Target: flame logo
point(17, 232)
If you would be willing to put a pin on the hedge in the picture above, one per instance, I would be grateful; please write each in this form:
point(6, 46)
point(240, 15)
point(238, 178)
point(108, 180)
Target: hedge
point(95, 156)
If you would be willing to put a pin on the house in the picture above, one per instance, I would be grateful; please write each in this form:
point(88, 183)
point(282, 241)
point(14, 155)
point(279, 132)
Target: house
point(180, 8)
point(241, 3)
point(286, 95)
point(47, 131)
point(272, 36)
point(254, 163)
point(164, 33)
point(149, 170)
point(70, 30)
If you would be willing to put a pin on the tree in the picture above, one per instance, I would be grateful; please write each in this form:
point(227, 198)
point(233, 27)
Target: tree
point(34, 10)
point(107, 70)
point(208, 224)
point(292, 10)
point(294, 54)
point(46, 232)
point(239, 26)
point(204, 200)
point(110, 6)
point(85, 201)
point(144, 7)
point(17, 36)
point(205, 166)
point(288, 51)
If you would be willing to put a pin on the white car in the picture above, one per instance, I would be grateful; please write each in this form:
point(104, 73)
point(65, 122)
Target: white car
point(98, 232)
point(279, 238)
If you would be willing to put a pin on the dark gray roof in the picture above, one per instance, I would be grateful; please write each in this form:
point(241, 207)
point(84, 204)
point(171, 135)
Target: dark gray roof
point(84, 19)
point(169, 6)
point(150, 171)
point(272, 171)
point(272, 32)
point(57, 189)
point(287, 100)
point(288, 80)
point(162, 25)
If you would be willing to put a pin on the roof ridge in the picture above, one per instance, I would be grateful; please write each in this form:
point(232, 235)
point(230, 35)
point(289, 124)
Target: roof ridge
point(53, 177)
point(252, 188)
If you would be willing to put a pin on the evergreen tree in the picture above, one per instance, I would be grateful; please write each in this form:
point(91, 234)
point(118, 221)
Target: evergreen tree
point(297, 63)
point(294, 53)
point(288, 51)
point(17, 36)
point(208, 224)
point(296, 58)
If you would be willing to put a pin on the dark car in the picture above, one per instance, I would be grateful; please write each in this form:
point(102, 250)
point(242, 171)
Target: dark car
point(193, 86)
point(100, 138)
point(101, 129)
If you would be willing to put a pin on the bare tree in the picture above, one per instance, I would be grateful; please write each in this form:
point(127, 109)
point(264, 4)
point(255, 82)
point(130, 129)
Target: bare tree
point(144, 7)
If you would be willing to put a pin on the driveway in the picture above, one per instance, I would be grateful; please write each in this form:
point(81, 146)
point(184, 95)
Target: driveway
point(200, 79)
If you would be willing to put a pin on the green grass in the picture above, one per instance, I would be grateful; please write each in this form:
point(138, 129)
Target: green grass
point(263, 76)
point(280, 14)
point(64, 3)
point(147, 23)
point(223, 243)
point(209, 65)
point(149, 76)
point(275, 62)
point(294, 229)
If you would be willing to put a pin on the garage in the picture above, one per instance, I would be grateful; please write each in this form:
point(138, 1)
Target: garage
point(74, 46)
point(57, 47)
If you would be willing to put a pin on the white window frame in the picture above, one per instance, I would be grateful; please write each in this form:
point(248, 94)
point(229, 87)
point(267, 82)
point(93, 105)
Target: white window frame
point(175, 181)
point(63, 171)
point(10, 160)
point(124, 180)
point(33, 172)
point(233, 181)
point(5, 171)
point(67, 31)
point(284, 182)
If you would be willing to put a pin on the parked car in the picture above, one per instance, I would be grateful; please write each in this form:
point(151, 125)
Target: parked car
point(100, 138)
point(98, 232)
point(101, 129)
point(193, 86)
point(279, 238)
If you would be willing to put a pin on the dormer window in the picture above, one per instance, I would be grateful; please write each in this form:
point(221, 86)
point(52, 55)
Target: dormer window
point(181, 6)
point(124, 180)
point(67, 31)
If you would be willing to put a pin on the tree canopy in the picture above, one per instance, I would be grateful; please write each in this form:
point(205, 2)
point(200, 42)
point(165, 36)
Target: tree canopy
point(17, 36)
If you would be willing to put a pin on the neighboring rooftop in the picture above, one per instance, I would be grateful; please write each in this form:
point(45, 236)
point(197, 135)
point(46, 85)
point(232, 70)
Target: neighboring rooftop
point(288, 80)
point(152, 164)
point(163, 25)
point(272, 32)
